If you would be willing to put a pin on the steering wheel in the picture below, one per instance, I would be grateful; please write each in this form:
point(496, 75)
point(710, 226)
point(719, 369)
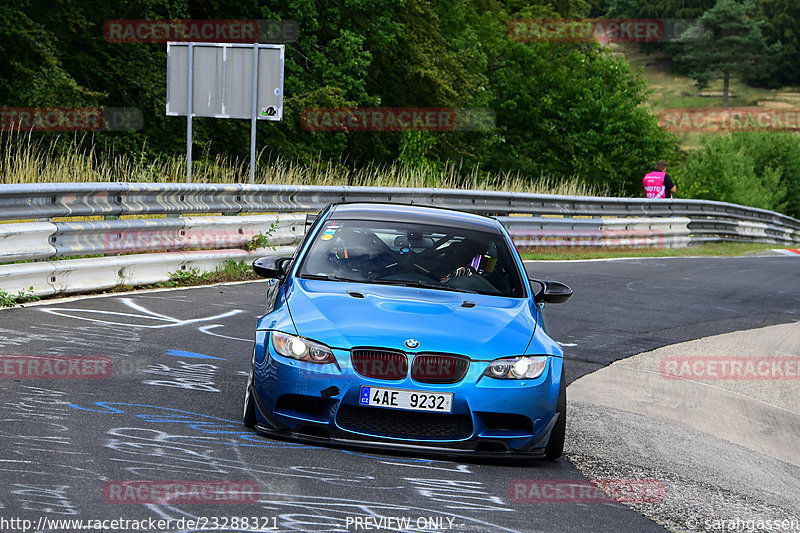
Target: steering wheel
point(460, 271)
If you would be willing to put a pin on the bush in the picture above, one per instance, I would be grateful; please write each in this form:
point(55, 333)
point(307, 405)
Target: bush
point(758, 169)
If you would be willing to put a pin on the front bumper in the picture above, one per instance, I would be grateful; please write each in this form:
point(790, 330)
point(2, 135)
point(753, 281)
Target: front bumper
point(478, 448)
point(319, 404)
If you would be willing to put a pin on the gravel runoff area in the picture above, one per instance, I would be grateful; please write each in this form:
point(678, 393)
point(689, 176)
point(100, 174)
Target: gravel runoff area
point(721, 438)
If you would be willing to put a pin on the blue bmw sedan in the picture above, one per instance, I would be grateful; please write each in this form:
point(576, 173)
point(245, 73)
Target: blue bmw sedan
point(410, 328)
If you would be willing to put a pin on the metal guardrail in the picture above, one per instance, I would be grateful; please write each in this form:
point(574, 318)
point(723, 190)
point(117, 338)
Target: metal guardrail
point(101, 273)
point(203, 242)
point(46, 240)
point(538, 232)
point(45, 201)
point(200, 243)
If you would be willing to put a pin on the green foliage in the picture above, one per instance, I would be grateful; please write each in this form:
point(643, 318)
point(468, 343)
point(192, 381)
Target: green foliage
point(22, 296)
point(415, 147)
point(230, 270)
point(660, 9)
point(189, 276)
point(681, 10)
point(564, 110)
point(33, 70)
point(576, 110)
point(780, 26)
point(727, 43)
point(759, 169)
point(778, 20)
point(261, 240)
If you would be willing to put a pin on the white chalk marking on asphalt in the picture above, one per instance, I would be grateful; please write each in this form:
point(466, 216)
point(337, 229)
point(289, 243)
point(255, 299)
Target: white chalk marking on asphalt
point(205, 329)
point(146, 314)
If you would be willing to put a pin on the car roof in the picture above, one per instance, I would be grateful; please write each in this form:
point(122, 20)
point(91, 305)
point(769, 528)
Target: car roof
point(412, 213)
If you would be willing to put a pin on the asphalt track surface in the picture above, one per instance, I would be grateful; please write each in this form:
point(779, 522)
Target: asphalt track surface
point(171, 407)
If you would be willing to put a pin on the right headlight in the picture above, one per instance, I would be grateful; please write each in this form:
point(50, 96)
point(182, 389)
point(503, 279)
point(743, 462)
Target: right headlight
point(301, 349)
point(523, 367)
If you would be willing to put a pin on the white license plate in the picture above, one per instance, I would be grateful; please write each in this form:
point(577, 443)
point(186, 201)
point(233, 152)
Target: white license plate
point(438, 402)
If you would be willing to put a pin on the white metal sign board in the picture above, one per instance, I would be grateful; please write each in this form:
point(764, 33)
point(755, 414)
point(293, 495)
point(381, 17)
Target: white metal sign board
point(222, 81)
point(225, 80)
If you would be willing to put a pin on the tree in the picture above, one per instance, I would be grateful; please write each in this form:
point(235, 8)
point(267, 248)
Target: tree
point(726, 43)
point(780, 26)
point(562, 109)
point(567, 110)
point(33, 73)
point(661, 9)
point(759, 169)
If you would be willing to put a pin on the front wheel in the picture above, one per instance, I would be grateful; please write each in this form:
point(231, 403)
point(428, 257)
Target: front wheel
point(555, 445)
point(249, 414)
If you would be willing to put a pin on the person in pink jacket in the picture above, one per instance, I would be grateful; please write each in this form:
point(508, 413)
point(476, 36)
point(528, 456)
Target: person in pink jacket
point(659, 184)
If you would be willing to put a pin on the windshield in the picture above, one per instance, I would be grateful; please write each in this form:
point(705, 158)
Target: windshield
point(386, 252)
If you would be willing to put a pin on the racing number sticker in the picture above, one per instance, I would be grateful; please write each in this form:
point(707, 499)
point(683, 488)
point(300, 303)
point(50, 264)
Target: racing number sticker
point(330, 230)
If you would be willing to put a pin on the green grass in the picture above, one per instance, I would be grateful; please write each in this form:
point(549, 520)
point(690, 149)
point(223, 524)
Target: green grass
point(722, 249)
point(28, 159)
point(229, 271)
point(8, 299)
point(669, 91)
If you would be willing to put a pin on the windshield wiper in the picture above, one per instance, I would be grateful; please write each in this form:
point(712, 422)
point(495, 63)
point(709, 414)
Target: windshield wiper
point(332, 277)
point(399, 282)
point(421, 283)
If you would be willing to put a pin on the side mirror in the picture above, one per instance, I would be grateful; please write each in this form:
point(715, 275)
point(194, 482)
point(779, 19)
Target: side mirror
point(270, 267)
point(553, 292)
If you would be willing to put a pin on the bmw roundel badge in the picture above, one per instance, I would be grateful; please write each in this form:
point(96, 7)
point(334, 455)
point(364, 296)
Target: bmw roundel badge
point(412, 343)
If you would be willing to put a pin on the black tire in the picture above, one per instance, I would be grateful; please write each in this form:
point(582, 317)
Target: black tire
point(555, 445)
point(249, 411)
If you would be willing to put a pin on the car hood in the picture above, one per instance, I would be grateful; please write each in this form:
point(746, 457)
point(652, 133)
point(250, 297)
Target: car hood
point(387, 316)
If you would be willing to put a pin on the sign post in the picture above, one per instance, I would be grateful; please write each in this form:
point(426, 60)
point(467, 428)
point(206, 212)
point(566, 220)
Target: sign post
point(225, 80)
point(189, 85)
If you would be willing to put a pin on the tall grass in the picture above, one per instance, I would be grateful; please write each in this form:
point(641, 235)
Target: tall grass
point(26, 159)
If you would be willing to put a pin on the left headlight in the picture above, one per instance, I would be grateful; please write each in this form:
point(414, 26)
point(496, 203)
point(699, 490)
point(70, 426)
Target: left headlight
point(524, 367)
point(301, 349)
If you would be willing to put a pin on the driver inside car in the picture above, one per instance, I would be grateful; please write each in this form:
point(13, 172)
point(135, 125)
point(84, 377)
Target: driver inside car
point(353, 253)
point(470, 260)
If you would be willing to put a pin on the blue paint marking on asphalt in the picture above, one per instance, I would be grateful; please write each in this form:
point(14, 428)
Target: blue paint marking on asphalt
point(205, 423)
point(205, 426)
point(193, 355)
point(101, 404)
point(106, 408)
